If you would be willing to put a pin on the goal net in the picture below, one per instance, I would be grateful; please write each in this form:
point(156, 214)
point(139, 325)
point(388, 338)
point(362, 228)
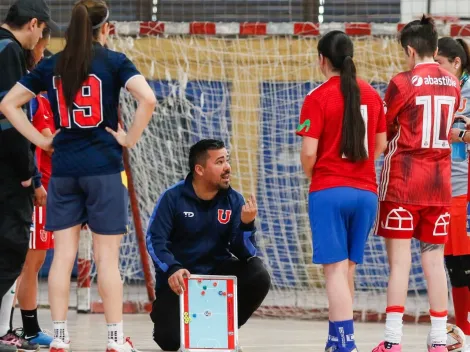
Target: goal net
point(245, 85)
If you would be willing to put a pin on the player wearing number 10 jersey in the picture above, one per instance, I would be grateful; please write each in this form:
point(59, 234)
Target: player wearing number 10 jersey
point(88, 183)
point(415, 189)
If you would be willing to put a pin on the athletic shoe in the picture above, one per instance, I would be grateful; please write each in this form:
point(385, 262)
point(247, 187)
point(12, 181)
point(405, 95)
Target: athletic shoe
point(7, 347)
point(21, 344)
point(125, 347)
point(331, 349)
point(57, 345)
point(438, 349)
point(239, 349)
point(381, 348)
point(43, 338)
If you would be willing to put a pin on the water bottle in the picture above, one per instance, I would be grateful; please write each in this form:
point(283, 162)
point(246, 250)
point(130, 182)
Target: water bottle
point(459, 149)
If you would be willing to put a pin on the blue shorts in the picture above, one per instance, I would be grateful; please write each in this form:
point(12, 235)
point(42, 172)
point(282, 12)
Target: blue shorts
point(341, 219)
point(100, 201)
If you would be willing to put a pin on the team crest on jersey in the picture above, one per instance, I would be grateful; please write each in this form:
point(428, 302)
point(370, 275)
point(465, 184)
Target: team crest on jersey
point(224, 216)
point(417, 81)
point(43, 235)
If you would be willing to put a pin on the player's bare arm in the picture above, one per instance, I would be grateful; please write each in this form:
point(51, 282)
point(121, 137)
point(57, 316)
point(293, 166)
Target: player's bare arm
point(11, 108)
point(40, 196)
point(380, 144)
point(141, 91)
point(47, 133)
point(308, 155)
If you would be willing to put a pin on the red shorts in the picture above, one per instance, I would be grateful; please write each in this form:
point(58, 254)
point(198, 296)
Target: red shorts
point(459, 241)
point(428, 224)
point(40, 238)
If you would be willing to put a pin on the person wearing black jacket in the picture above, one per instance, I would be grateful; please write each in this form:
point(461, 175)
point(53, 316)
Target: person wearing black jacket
point(19, 179)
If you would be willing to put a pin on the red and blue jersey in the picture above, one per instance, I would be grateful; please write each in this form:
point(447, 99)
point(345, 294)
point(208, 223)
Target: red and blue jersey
point(321, 118)
point(83, 147)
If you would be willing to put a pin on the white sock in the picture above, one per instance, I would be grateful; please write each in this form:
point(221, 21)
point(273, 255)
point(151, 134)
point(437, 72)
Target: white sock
point(115, 333)
point(438, 330)
point(5, 310)
point(394, 327)
point(60, 330)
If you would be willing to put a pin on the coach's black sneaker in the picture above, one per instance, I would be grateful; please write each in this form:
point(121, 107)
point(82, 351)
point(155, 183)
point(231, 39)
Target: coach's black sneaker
point(21, 344)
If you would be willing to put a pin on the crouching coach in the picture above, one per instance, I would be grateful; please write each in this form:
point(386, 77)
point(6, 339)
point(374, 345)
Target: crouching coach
point(202, 226)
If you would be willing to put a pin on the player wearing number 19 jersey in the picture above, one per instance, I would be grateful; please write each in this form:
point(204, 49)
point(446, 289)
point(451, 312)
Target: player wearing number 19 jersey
point(88, 184)
point(415, 188)
point(83, 148)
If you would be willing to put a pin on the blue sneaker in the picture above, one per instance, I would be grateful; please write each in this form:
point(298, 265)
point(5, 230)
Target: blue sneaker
point(43, 339)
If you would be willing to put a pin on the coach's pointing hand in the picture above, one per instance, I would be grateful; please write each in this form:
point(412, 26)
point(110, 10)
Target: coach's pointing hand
point(249, 210)
point(176, 281)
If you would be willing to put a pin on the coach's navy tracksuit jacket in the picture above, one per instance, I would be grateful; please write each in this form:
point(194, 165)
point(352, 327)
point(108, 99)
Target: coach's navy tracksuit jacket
point(187, 232)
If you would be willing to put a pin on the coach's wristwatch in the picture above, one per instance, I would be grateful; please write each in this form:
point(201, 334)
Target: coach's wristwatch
point(462, 134)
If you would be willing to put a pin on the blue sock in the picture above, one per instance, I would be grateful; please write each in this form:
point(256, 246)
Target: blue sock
point(345, 333)
point(332, 339)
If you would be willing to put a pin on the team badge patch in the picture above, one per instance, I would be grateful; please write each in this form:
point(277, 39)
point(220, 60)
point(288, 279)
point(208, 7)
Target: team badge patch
point(224, 216)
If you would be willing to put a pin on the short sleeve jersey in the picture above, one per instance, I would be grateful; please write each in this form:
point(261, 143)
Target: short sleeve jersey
point(321, 118)
point(83, 147)
point(420, 110)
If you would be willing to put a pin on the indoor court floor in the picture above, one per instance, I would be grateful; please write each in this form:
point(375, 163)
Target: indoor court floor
point(88, 334)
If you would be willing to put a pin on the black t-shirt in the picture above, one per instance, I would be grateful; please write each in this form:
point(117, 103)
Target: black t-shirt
point(16, 156)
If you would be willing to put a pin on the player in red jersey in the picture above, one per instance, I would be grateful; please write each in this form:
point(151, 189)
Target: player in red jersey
point(415, 189)
point(342, 123)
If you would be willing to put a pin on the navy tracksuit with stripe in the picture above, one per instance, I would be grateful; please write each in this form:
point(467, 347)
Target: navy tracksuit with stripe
point(204, 237)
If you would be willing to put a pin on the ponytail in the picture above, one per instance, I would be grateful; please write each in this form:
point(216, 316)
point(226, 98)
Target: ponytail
point(354, 129)
point(74, 62)
point(466, 62)
point(338, 48)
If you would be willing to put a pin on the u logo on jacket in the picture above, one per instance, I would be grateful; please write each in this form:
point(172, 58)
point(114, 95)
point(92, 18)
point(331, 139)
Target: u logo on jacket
point(224, 216)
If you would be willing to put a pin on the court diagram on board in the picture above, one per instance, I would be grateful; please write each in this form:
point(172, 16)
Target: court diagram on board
point(208, 314)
